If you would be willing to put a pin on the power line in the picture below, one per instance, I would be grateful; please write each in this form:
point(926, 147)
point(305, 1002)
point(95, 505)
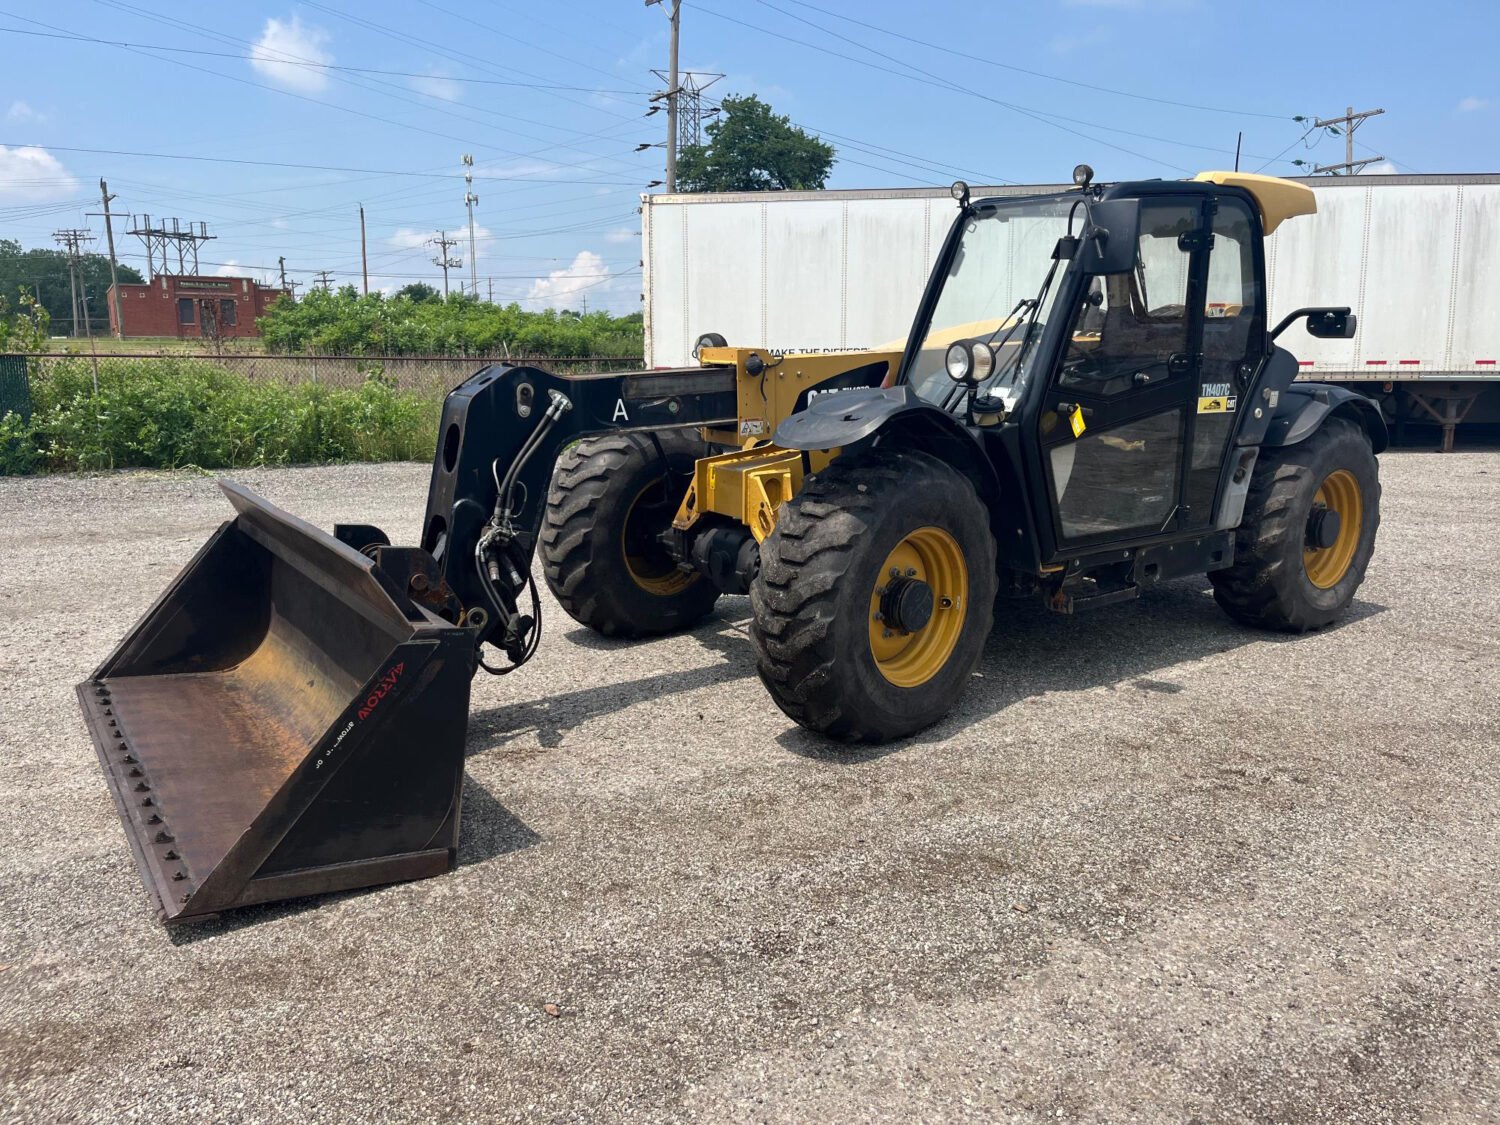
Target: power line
point(304, 167)
point(935, 79)
point(1044, 74)
point(292, 60)
point(1042, 116)
point(150, 52)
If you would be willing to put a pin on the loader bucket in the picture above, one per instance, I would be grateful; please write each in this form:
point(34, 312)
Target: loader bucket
point(284, 721)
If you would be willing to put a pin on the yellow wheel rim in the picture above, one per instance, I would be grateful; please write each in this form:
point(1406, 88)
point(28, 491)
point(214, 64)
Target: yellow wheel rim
point(909, 658)
point(646, 560)
point(1339, 492)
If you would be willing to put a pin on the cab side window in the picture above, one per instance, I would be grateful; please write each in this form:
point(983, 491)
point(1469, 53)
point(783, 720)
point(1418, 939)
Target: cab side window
point(1129, 324)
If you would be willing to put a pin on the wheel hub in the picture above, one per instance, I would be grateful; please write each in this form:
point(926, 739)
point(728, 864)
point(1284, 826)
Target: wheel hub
point(907, 604)
point(1323, 527)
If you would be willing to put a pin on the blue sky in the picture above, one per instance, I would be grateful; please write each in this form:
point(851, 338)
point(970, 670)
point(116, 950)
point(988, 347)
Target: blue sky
point(549, 99)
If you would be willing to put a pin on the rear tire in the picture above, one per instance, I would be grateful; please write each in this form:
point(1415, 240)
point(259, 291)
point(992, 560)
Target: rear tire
point(824, 656)
point(1280, 580)
point(610, 497)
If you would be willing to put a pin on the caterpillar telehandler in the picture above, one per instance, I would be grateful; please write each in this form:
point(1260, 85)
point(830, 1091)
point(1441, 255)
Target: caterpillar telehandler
point(1089, 401)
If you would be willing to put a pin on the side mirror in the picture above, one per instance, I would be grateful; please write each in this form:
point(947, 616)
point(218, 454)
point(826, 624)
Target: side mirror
point(1331, 324)
point(1110, 241)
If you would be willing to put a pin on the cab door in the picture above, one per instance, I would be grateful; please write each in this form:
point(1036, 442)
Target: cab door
point(1115, 426)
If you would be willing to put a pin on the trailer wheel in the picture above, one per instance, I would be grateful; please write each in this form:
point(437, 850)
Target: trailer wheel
point(874, 596)
point(1307, 534)
point(611, 496)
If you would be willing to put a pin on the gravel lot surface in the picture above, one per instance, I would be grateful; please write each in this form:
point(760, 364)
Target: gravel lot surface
point(1156, 867)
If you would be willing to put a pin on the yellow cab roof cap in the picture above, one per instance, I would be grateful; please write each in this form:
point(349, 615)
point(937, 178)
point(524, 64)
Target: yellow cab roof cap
point(1277, 199)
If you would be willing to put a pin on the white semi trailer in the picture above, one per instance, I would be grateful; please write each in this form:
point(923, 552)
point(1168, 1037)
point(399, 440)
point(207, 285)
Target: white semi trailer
point(1416, 257)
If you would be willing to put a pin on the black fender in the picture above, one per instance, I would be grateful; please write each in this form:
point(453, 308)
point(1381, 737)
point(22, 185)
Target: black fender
point(893, 416)
point(1303, 407)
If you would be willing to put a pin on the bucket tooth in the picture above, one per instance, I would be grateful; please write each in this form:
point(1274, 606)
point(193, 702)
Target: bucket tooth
point(286, 718)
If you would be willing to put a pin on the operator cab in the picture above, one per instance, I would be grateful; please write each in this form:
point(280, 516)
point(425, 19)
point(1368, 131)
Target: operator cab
point(1104, 341)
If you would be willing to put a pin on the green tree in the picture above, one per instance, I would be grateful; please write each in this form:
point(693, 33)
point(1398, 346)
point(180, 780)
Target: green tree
point(750, 148)
point(45, 274)
point(418, 291)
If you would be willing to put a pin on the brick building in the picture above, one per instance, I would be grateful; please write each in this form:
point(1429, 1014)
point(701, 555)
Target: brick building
point(192, 307)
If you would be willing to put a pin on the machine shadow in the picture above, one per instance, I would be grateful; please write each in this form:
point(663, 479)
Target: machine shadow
point(1032, 651)
point(489, 829)
point(552, 716)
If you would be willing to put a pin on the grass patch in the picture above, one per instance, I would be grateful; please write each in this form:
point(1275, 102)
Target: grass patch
point(166, 413)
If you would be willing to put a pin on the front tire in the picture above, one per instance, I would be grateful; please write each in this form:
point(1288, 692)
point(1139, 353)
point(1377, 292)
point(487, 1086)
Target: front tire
point(1296, 567)
point(875, 596)
point(610, 498)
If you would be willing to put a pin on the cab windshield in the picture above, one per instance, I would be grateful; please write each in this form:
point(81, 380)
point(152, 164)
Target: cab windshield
point(1000, 289)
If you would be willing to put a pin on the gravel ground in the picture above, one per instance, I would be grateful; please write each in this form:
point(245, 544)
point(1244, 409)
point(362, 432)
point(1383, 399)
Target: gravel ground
point(1156, 867)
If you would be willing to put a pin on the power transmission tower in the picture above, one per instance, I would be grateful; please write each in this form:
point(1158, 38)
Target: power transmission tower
point(470, 200)
point(1350, 121)
point(323, 279)
point(170, 234)
point(442, 242)
point(673, 8)
point(691, 116)
point(73, 241)
point(114, 276)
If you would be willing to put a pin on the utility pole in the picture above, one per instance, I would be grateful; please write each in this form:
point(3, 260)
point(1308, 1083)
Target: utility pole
point(324, 280)
point(673, 8)
point(114, 276)
point(672, 99)
point(492, 290)
point(364, 257)
point(1350, 121)
point(442, 242)
point(72, 240)
point(470, 199)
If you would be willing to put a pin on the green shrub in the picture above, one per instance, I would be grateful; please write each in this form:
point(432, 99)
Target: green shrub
point(166, 413)
point(348, 323)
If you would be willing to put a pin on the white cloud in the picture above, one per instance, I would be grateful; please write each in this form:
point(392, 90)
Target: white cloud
point(1383, 168)
point(280, 42)
point(438, 86)
point(33, 175)
point(586, 276)
point(231, 268)
point(408, 239)
point(22, 111)
point(1473, 105)
point(622, 234)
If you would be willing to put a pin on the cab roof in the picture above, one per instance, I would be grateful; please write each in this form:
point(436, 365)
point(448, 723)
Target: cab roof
point(1277, 199)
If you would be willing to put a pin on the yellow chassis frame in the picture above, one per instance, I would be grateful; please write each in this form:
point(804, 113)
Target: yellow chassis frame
point(750, 483)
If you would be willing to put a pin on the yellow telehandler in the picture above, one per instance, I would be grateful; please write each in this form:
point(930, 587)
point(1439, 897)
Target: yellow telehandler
point(1090, 401)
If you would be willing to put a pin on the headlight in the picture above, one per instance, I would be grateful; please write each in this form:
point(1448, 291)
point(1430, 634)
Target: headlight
point(959, 362)
point(984, 360)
